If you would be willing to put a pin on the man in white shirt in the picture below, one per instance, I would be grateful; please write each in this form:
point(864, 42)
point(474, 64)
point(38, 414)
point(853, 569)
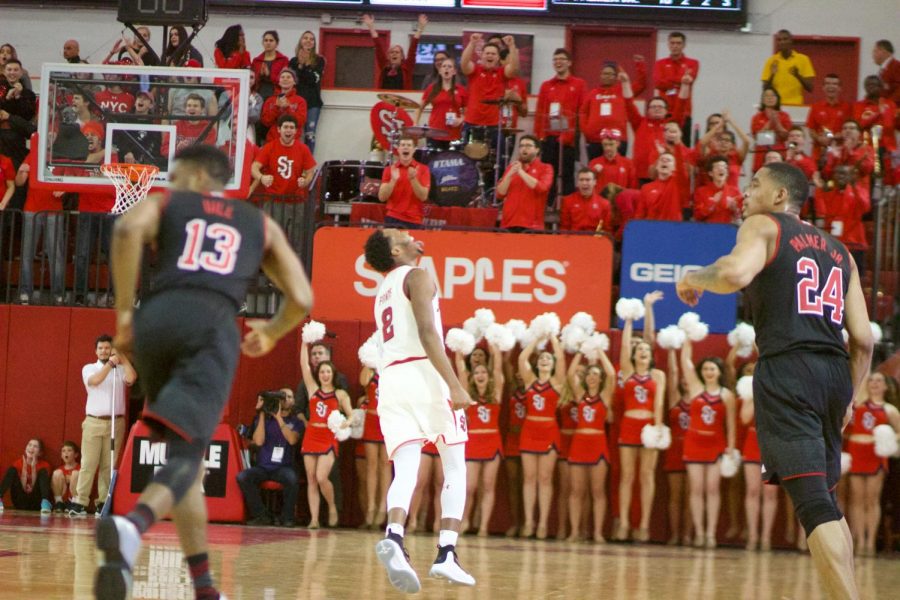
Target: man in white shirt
point(101, 379)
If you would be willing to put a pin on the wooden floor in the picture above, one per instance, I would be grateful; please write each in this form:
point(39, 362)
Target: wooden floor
point(50, 558)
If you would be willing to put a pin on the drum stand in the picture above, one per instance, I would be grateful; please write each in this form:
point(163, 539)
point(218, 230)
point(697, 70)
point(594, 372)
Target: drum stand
point(558, 126)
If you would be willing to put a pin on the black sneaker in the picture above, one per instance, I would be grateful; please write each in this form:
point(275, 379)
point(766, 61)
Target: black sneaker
point(262, 520)
point(60, 507)
point(76, 510)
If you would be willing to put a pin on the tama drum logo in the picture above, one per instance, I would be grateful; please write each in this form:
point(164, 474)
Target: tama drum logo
point(644, 272)
point(443, 163)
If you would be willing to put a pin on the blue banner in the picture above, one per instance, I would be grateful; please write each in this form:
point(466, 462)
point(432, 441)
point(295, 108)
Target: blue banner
point(656, 254)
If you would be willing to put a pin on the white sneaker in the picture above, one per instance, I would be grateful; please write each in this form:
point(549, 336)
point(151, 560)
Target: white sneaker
point(450, 569)
point(400, 573)
point(119, 542)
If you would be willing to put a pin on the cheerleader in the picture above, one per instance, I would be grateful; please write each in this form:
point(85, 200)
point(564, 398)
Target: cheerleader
point(539, 441)
point(673, 462)
point(867, 469)
point(589, 452)
point(483, 450)
point(644, 391)
point(378, 467)
point(711, 432)
point(320, 447)
point(567, 413)
point(512, 461)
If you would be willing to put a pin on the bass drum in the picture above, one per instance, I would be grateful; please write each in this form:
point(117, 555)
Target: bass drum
point(454, 179)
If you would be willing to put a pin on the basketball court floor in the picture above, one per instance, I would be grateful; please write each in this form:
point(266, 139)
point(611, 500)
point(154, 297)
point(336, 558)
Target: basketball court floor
point(52, 558)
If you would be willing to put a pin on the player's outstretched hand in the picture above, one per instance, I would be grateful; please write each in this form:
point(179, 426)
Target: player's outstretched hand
point(257, 342)
point(687, 293)
point(459, 398)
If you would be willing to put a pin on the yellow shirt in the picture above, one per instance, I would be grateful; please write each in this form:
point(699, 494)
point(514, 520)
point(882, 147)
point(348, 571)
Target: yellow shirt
point(788, 86)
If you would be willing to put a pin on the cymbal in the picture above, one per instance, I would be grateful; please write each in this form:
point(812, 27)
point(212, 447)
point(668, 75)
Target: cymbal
point(500, 101)
point(397, 100)
point(425, 131)
point(511, 130)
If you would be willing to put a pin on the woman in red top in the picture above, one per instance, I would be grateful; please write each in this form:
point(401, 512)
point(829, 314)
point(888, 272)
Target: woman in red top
point(644, 405)
point(539, 441)
point(320, 447)
point(711, 432)
point(378, 467)
point(770, 118)
point(867, 469)
point(64, 480)
point(484, 448)
point(268, 64)
point(231, 49)
point(589, 452)
point(448, 101)
point(673, 460)
point(28, 480)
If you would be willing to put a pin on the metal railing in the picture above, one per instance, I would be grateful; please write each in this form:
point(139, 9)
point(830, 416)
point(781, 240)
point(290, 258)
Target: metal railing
point(884, 294)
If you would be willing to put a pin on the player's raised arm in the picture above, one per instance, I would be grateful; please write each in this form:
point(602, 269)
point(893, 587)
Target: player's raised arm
point(856, 321)
point(420, 289)
point(283, 267)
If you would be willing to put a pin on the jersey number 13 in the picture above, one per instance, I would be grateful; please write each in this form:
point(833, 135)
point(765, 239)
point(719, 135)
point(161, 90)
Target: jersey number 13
point(221, 259)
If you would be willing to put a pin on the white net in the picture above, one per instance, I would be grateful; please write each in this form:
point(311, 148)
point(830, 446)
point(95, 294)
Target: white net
point(132, 182)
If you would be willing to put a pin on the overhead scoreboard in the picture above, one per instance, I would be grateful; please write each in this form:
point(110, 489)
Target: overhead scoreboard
point(726, 12)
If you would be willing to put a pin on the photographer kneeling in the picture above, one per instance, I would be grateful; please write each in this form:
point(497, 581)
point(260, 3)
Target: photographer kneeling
point(275, 432)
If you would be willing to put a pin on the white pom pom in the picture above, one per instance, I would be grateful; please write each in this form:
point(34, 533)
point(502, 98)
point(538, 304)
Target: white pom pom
point(744, 351)
point(698, 332)
point(313, 332)
point(730, 463)
point(517, 327)
point(665, 437)
point(846, 462)
point(585, 321)
point(885, 440)
point(357, 423)
point(592, 346)
point(460, 340)
point(530, 337)
point(370, 352)
point(693, 327)
point(743, 334)
point(630, 308)
point(877, 334)
point(500, 336)
point(485, 318)
point(670, 338)
point(572, 337)
point(650, 437)
point(545, 324)
point(335, 420)
point(471, 327)
point(744, 387)
point(688, 320)
point(343, 434)
point(846, 335)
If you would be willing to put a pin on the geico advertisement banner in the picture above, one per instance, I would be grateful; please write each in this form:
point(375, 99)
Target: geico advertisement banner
point(515, 275)
point(655, 254)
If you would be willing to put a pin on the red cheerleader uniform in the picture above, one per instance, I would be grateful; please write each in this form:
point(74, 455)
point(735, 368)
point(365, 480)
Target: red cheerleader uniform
point(750, 451)
point(514, 428)
point(568, 422)
point(679, 420)
point(540, 431)
point(866, 417)
point(484, 431)
point(372, 426)
point(318, 439)
point(67, 494)
point(589, 445)
point(704, 441)
point(639, 394)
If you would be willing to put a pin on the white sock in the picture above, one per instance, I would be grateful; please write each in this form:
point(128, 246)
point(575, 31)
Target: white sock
point(58, 498)
point(395, 528)
point(447, 538)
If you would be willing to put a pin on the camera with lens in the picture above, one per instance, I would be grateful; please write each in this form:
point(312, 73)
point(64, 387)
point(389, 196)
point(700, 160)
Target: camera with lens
point(272, 401)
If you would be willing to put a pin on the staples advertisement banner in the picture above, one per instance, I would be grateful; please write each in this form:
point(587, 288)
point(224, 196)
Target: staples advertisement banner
point(655, 255)
point(516, 275)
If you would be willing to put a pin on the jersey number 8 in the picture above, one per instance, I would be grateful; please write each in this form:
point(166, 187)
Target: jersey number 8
point(387, 323)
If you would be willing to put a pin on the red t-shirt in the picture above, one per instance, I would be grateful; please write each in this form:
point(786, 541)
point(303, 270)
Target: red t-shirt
point(30, 482)
point(559, 98)
point(760, 122)
point(117, 102)
point(661, 201)
point(718, 205)
point(7, 171)
point(823, 115)
point(882, 112)
point(485, 84)
point(843, 211)
point(524, 206)
point(619, 171)
point(667, 74)
point(285, 164)
point(578, 213)
point(235, 60)
point(403, 203)
point(187, 133)
point(271, 112)
point(444, 103)
point(648, 131)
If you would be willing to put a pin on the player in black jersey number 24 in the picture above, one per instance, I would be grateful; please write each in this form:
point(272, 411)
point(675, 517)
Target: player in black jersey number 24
point(186, 343)
point(802, 287)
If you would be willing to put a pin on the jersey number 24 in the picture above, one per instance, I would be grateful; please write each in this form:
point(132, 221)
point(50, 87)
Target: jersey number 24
point(811, 300)
point(221, 259)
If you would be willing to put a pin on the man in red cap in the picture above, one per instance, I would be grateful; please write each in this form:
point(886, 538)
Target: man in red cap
point(95, 133)
point(612, 167)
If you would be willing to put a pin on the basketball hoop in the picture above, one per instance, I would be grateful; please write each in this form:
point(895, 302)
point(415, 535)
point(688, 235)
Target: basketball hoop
point(132, 183)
